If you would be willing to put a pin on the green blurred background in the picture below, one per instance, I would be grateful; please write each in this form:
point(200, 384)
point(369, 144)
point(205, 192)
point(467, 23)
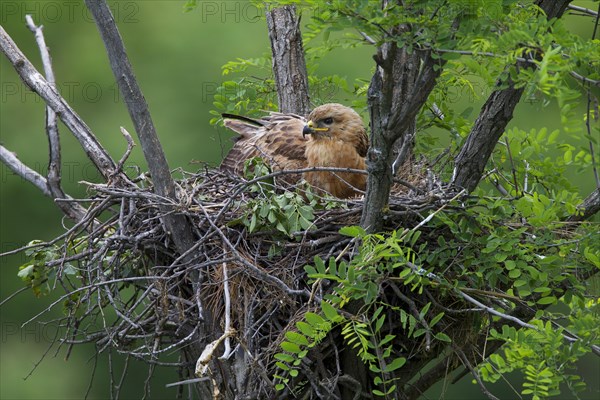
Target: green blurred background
point(177, 58)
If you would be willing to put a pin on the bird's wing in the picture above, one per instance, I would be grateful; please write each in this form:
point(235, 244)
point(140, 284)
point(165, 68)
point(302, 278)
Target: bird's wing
point(277, 138)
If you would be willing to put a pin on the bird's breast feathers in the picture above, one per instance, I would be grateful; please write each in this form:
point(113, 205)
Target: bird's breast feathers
point(336, 138)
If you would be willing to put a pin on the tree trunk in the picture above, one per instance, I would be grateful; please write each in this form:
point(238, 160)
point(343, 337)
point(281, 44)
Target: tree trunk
point(289, 66)
point(492, 120)
point(399, 88)
point(489, 126)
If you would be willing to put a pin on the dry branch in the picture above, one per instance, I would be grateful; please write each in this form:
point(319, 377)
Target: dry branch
point(179, 229)
point(36, 82)
point(72, 210)
point(18, 167)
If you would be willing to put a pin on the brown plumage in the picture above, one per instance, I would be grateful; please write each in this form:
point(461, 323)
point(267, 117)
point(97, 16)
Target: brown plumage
point(336, 138)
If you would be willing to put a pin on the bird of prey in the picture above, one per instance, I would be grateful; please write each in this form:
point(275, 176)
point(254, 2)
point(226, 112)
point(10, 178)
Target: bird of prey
point(332, 136)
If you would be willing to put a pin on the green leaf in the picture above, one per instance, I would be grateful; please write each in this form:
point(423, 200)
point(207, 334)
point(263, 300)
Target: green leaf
point(290, 347)
point(443, 337)
point(320, 265)
point(297, 338)
point(314, 319)
point(353, 231)
point(69, 269)
point(282, 366)
point(25, 271)
point(329, 311)
point(305, 328)
point(436, 319)
point(386, 340)
point(284, 357)
point(514, 274)
point(547, 300)
point(394, 365)
point(379, 323)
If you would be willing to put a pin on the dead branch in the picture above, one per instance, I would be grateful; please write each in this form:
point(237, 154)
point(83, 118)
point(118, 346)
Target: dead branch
point(36, 82)
point(22, 170)
point(179, 228)
point(72, 210)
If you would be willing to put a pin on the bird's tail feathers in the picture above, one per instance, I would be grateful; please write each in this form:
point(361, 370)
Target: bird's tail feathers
point(244, 126)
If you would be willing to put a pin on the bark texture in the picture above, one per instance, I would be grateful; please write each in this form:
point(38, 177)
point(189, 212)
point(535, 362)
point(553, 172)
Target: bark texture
point(495, 114)
point(289, 66)
point(398, 89)
point(180, 230)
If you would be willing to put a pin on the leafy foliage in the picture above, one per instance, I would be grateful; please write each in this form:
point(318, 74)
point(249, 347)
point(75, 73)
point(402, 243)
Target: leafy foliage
point(541, 354)
point(35, 273)
point(515, 247)
point(380, 258)
point(289, 212)
point(487, 248)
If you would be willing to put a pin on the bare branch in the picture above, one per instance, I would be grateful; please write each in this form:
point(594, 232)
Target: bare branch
point(468, 365)
point(227, 295)
point(73, 210)
point(130, 145)
point(583, 10)
point(15, 165)
point(36, 82)
point(179, 228)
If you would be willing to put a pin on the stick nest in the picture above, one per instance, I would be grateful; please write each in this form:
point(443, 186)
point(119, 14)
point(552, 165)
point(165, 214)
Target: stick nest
point(162, 302)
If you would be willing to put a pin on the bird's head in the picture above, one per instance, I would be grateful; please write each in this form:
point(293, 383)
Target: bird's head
point(335, 121)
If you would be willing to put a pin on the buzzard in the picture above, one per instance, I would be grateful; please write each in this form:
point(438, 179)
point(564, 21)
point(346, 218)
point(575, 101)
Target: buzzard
point(333, 136)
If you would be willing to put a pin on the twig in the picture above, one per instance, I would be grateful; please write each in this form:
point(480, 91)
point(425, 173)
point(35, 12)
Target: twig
point(227, 352)
point(22, 170)
point(415, 312)
point(187, 381)
point(367, 38)
point(433, 214)
point(7, 299)
point(36, 82)
point(130, 145)
point(512, 166)
point(253, 269)
point(468, 365)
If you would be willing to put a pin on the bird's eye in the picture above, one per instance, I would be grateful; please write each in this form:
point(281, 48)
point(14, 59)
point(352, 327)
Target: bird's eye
point(328, 121)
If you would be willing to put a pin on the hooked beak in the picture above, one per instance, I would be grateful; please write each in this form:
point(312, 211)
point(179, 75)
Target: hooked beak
point(310, 128)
